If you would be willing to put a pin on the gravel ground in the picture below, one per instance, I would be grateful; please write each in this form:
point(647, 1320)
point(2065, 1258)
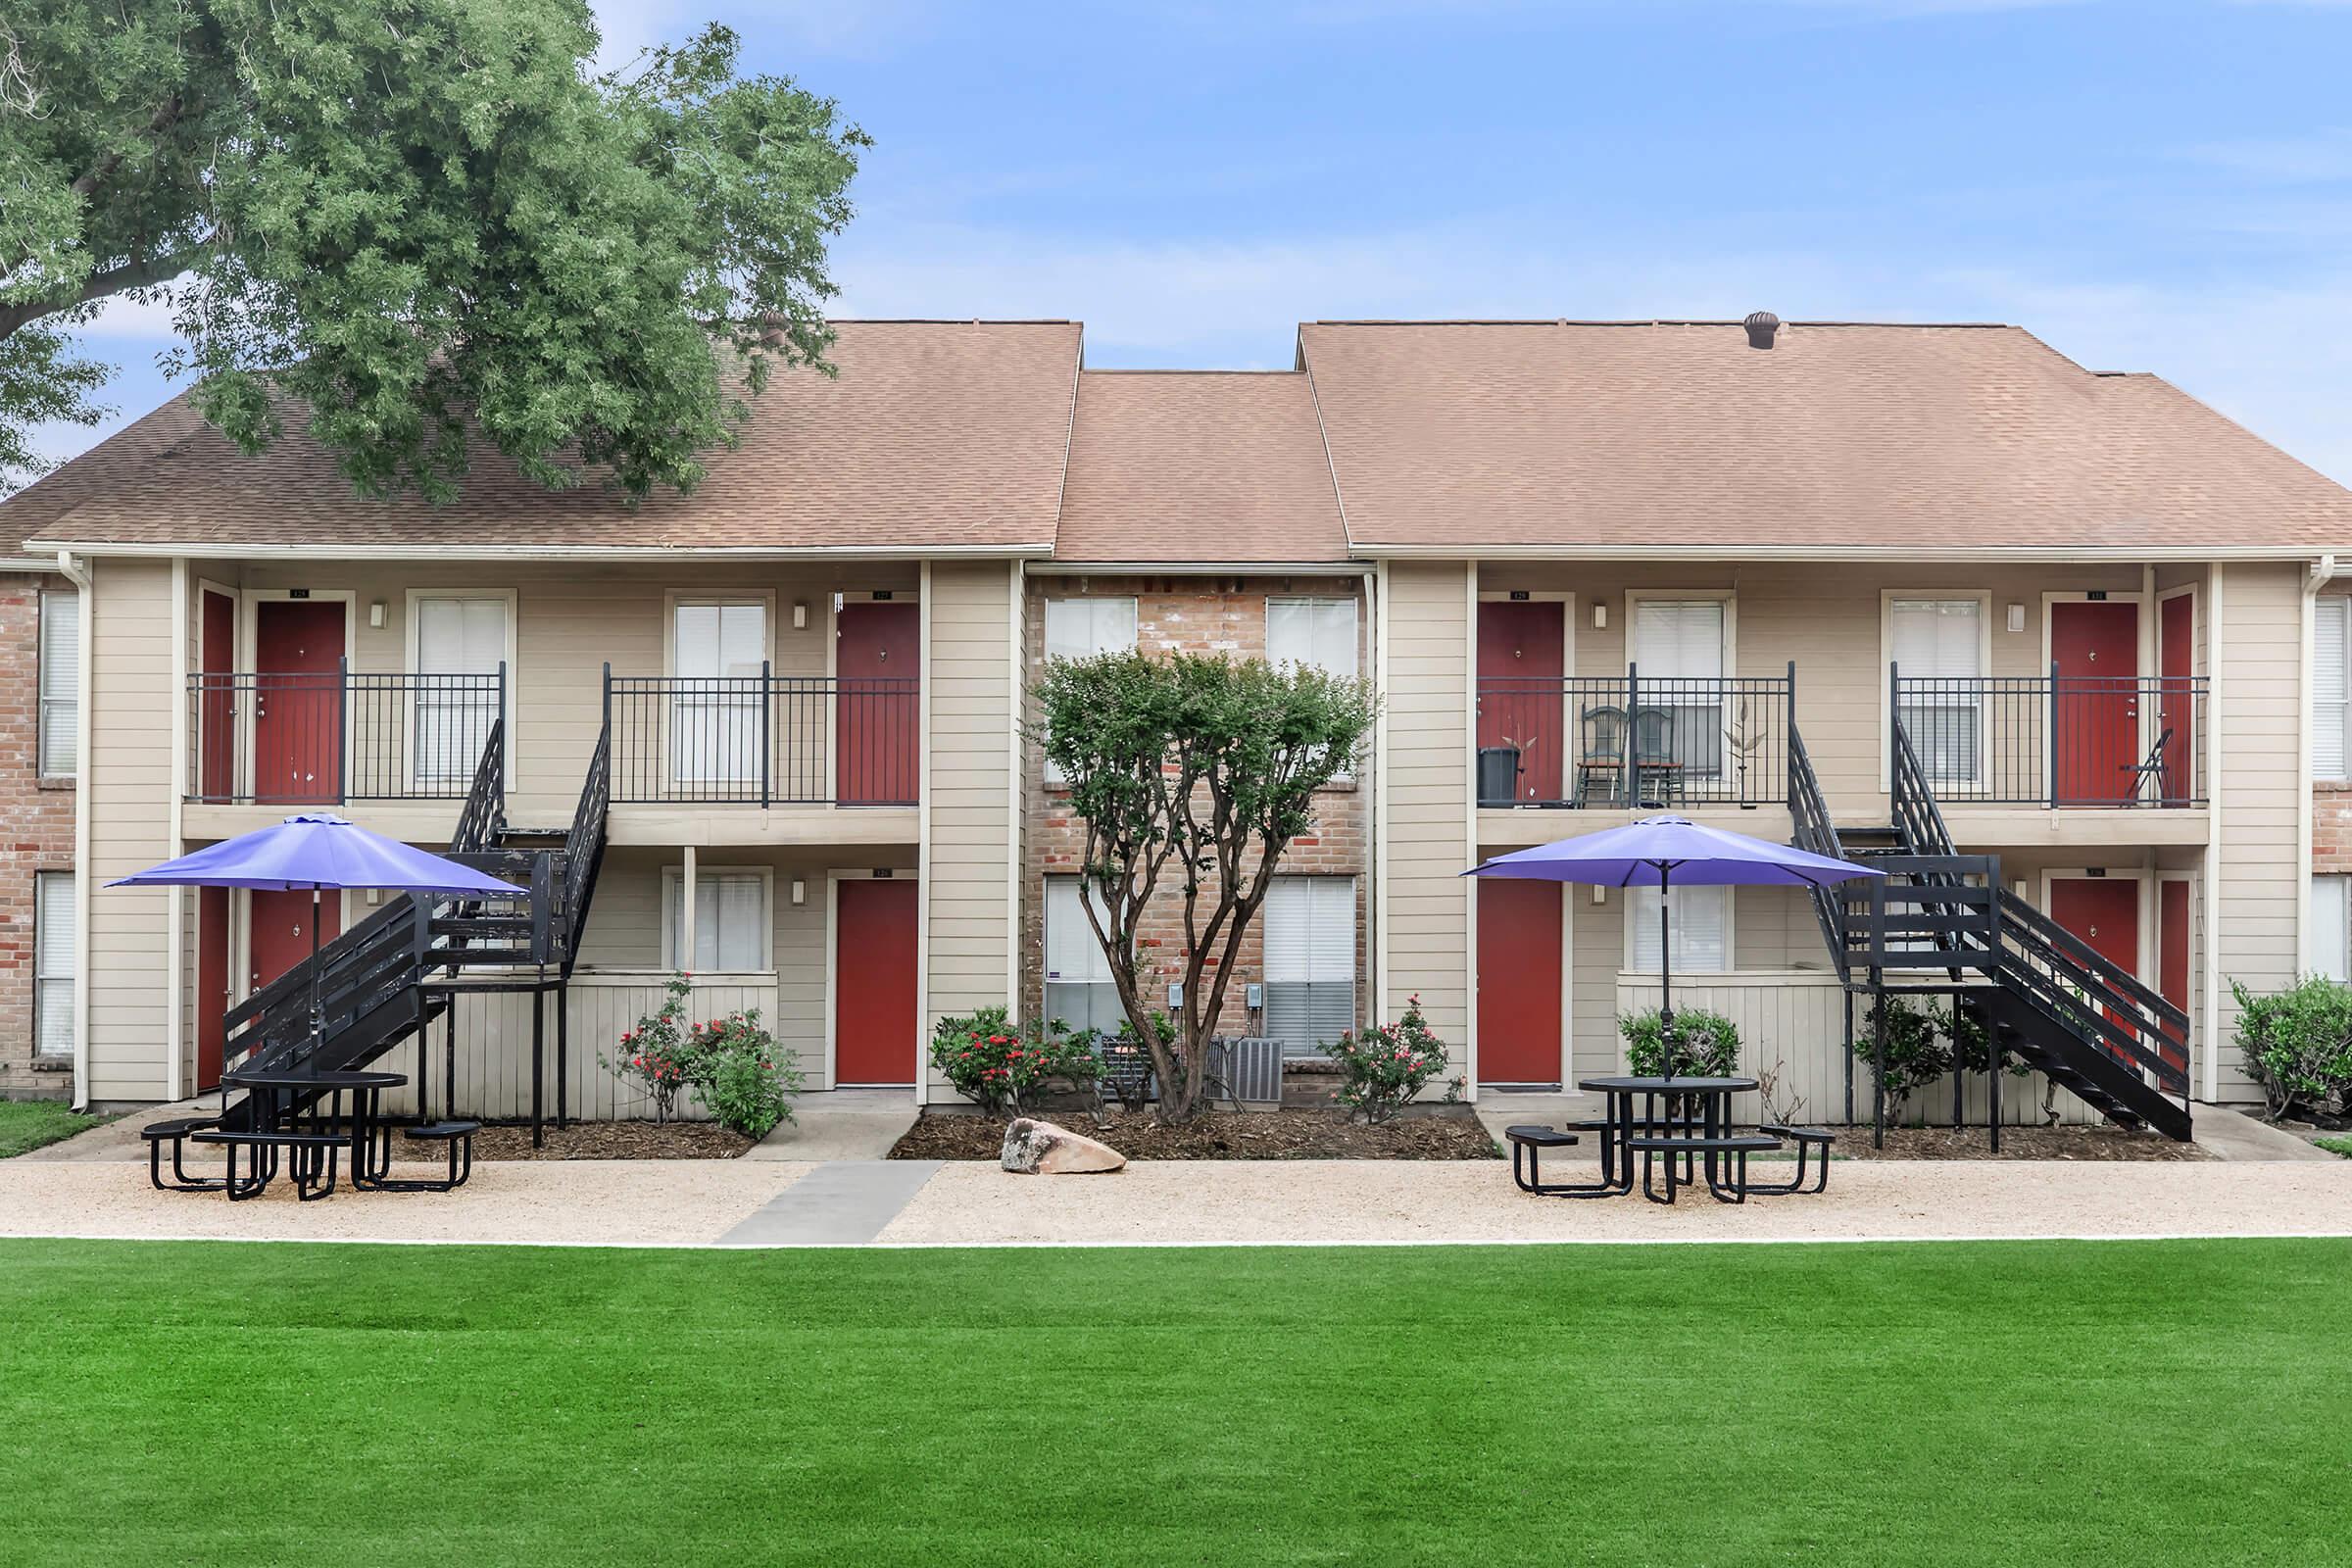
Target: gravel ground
point(1452, 1133)
point(622, 1201)
point(2101, 1143)
point(1451, 1201)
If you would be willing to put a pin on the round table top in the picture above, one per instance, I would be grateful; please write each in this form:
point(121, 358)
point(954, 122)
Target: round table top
point(299, 1078)
point(1662, 1086)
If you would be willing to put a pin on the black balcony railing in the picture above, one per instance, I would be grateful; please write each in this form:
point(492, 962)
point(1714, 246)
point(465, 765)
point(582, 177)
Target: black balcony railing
point(1634, 740)
point(2057, 740)
point(764, 740)
point(317, 738)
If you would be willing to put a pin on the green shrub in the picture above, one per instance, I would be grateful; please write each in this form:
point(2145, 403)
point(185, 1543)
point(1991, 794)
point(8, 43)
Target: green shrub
point(730, 1062)
point(995, 1064)
point(1383, 1067)
point(1706, 1045)
point(1915, 1053)
point(2297, 1044)
point(658, 1053)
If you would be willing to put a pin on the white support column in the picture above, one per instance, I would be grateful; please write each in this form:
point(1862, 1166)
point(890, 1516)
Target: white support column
point(686, 903)
point(175, 909)
point(2216, 622)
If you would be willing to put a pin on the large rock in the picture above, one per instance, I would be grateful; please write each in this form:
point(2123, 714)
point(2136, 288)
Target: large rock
point(1041, 1148)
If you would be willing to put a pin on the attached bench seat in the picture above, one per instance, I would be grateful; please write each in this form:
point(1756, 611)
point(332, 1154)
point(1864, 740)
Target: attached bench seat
point(176, 1131)
point(1528, 1142)
point(1734, 1147)
point(1807, 1139)
point(456, 1138)
point(311, 1161)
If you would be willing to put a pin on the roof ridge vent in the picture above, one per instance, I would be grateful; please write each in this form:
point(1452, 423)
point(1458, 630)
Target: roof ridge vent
point(1761, 324)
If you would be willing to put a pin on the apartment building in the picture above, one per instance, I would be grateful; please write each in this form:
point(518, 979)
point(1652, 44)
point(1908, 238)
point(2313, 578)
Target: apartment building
point(1936, 588)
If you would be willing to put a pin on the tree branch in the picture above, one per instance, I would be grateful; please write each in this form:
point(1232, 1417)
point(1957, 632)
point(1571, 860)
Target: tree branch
point(145, 273)
point(160, 121)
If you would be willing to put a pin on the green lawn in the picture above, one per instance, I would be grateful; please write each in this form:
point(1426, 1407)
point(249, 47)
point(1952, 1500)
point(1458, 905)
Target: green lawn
point(2004, 1403)
point(29, 1123)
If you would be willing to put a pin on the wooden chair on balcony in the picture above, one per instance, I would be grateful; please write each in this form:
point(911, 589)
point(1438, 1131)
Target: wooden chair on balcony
point(1657, 770)
point(1601, 756)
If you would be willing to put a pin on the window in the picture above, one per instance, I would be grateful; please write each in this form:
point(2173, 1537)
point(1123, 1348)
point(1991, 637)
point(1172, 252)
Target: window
point(1677, 661)
point(730, 921)
point(461, 643)
point(1937, 649)
point(2331, 690)
point(1078, 986)
point(52, 964)
point(1310, 961)
point(717, 651)
point(2331, 926)
point(1320, 632)
point(1701, 923)
point(61, 682)
point(1080, 628)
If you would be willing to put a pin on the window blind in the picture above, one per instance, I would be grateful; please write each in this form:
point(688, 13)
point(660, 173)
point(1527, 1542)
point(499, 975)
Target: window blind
point(2331, 926)
point(730, 923)
point(1079, 990)
point(1309, 938)
point(1701, 931)
point(455, 636)
point(1080, 628)
point(1940, 642)
point(1317, 633)
point(714, 724)
point(61, 683)
point(52, 964)
point(2329, 690)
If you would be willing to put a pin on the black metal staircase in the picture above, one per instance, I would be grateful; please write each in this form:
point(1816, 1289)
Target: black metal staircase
point(1940, 923)
point(390, 976)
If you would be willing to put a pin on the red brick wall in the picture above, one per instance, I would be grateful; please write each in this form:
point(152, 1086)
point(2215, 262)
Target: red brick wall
point(37, 834)
point(1225, 615)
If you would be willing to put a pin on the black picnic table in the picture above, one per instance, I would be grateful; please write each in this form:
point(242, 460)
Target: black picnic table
point(1648, 1116)
point(310, 1145)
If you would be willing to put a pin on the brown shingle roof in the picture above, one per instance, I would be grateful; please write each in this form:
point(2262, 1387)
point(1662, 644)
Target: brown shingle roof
point(1196, 467)
point(1659, 437)
point(936, 435)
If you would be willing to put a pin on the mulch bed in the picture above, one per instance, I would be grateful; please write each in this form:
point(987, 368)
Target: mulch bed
point(605, 1139)
point(2017, 1143)
point(1450, 1134)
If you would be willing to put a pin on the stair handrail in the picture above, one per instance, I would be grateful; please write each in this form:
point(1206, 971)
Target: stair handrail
point(584, 844)
point(2089, 990)
point(1816, 832)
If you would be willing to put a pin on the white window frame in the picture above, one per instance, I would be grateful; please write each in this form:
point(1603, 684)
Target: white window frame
point(56, 605)
point(674, 879)
point(1888, 598)
point(42, 977)
point(1354, 976)
point(414, 598)
point(1049, 896)
point(2341, 719)
point(1727, 669)
point(1356, 642)
point(680, 599)
point(1640, 921)
point(1052, 775)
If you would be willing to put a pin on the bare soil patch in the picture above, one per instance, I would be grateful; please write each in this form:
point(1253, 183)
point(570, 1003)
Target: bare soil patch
point(609, 1140)
point(1448, 1134)
point(2092, 1144)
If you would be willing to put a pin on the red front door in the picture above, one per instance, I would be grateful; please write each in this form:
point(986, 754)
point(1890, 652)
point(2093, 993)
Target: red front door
point(212, 983)
point(1518, 982)
point(877, 655)
point(2176, 710)
point(874, 1025)
point(2171, 953)
point(1521, 698)
point(279, 932)
point(298, 702)
point(2104, 912)
point(2095, 708)
point(216, 713)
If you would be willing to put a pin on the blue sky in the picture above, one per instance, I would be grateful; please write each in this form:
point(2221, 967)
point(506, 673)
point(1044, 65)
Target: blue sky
point(2148, 186)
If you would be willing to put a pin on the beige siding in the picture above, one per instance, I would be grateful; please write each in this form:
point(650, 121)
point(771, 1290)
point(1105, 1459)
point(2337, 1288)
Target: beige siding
point(131, 779)
point(967, 875)
point(2260, 734)
point(1426, 791)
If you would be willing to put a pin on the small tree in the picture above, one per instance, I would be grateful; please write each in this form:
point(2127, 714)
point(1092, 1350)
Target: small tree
point(1196, 771)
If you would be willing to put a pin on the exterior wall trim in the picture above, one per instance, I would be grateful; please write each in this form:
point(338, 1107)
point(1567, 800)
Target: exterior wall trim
point(83, 576)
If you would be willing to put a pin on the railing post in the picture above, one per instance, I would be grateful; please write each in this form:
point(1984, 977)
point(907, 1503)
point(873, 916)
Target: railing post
point(498, 727)
point(607, 725)
point(1629, 761)
point(1789, 738)
point(342, 726)
point(2049, 774)
point(768, 705)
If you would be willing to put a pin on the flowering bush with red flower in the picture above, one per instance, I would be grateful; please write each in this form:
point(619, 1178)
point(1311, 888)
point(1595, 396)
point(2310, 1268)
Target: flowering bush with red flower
point(997, 1064)
point(730, 1062)
point(1383, 1067)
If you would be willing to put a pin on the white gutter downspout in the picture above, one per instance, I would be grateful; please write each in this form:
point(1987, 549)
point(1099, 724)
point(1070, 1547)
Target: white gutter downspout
point(77, 573)
point(2322, 573)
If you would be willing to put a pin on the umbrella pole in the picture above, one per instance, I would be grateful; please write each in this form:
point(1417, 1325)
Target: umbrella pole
point(318, 1016)
point(1665, 969)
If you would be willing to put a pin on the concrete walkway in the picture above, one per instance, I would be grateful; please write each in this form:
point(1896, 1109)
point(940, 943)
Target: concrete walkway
point(2226, 1133)
point(840, 1124)
point(842, 1202)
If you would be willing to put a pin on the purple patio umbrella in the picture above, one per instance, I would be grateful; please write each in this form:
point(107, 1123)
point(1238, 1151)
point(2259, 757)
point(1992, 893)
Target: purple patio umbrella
point(1660, 850)
point(320, 851)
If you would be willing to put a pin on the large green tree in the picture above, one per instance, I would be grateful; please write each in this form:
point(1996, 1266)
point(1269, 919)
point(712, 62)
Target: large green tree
point(388, 218)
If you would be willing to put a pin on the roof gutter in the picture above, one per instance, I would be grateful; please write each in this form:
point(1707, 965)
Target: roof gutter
point(615, 552)
point(1202, 568)
point(2037, 554)
point(27, 564)
point(77, 573)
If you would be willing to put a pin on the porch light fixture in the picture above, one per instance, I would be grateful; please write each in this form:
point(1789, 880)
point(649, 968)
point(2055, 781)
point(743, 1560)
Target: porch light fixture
point(1600, 616)
point(375, 613)
point(800, 620)
point(2016, 618)
point(800, 892)
point(1600, 895)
